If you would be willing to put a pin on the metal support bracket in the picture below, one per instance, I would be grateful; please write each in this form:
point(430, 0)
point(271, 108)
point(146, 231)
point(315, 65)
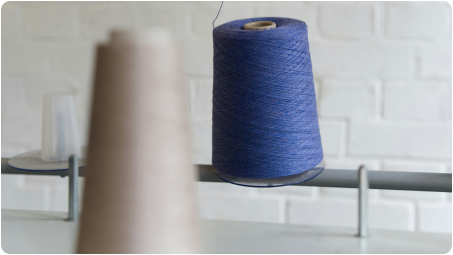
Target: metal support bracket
point(363, 201)
point(73, 173)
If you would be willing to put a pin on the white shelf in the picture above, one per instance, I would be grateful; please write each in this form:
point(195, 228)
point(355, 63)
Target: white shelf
point(47, 232)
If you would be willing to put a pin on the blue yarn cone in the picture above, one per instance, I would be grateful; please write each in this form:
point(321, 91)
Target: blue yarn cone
point(265, 121)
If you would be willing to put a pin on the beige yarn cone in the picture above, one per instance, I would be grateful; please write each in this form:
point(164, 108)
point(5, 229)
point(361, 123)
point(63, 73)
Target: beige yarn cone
point(139, 190)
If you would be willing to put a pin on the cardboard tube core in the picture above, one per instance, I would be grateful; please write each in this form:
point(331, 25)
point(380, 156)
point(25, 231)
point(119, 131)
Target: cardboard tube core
point(260, 25)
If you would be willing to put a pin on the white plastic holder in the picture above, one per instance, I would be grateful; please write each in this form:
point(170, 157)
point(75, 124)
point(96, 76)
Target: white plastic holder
point(60, 136)
point(60, 133)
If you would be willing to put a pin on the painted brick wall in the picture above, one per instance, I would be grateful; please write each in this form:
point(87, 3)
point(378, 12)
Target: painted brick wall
point(383, 82)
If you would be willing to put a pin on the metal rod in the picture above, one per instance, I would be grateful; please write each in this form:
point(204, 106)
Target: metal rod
point(338, 178)
point(73, 213)
point(363, 201)
point(335, 178)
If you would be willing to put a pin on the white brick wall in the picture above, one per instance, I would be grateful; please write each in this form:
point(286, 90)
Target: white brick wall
point(359, 59)
point(344, 98)
point(401, 139)
point(359, 23)
point(416, 100)
point(429, 213)
point(435, 60)
point(417, 19)
point(96, 19)
point(344, 213)
point(47, 20)
point(383, 81)
point(334, 132)
point(242, 208)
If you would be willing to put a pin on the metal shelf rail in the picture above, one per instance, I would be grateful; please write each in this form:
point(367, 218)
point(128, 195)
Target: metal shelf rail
point(335, 178)
point(363, 179)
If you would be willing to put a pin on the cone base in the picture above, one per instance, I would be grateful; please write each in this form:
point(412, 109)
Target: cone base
point(32, 161)
point(273, 182)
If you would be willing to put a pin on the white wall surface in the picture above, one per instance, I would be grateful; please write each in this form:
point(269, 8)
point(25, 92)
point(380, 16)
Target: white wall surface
point(383, 80)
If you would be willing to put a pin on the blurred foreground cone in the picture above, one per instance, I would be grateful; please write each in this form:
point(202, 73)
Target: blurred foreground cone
point(140, 183)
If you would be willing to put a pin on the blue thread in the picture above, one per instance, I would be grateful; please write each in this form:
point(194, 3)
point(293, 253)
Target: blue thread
point(217, 15)
point(265, 122)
